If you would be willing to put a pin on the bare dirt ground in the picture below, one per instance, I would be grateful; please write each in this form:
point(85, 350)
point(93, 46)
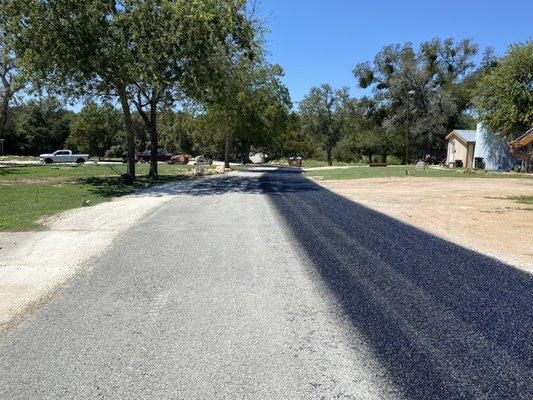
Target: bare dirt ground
point(33, 265)
point(474, 213)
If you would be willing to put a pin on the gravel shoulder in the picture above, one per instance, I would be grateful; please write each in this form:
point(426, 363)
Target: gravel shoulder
point(475, 213)
point(33, 265)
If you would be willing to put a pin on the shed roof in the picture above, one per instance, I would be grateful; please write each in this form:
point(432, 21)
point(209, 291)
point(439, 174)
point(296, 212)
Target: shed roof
point(523, 140)
point(468, 136)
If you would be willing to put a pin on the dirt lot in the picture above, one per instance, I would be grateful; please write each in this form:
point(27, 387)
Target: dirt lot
point(474, 213)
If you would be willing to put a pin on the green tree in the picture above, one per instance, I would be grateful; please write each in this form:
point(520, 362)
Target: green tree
point(42, 126)
point(149, 53)
point(77, 48)
point(435, 74)
point(11, 80)
point(264, 106)
point(321, 114)
point(247, 104)
point(225, 98)
point(173, 131)
point(180, 43)
point(291, 140)
point(95, 129)
point(504, 95)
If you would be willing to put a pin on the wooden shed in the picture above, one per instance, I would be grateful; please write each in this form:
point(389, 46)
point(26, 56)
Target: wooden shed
point(522, 149)
point(461, 146)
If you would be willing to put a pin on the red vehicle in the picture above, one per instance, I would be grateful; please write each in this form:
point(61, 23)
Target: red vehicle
point(144, 156)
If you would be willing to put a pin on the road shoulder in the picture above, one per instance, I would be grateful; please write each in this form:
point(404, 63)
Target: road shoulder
point(34, 265)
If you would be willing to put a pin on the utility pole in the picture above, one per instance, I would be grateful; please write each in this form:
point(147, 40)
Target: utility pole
point(409, 94)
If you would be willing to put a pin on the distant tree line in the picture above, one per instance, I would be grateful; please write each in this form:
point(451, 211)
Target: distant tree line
point(423, 93)
point(193, 77)
point(45, 125)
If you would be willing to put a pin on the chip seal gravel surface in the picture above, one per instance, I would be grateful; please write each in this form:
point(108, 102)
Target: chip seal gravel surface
point(264, 285)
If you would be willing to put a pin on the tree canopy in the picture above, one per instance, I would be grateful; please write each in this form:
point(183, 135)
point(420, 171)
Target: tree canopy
point(504, 95)
point(322, 116)
point(143, 52)
point(194, 76)
point(435, 73)
point(11, 79)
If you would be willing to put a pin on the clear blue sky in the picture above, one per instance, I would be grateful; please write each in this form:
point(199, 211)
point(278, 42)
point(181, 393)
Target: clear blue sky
point(319, 41)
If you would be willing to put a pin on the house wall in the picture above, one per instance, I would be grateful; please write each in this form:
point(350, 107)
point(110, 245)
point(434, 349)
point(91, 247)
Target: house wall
point(493, 149)
point(451, 153)
point(458, 151)
point(470, 155)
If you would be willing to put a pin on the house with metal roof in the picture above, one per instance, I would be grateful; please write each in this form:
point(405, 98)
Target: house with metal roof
point(479, 148)
point(461, 146)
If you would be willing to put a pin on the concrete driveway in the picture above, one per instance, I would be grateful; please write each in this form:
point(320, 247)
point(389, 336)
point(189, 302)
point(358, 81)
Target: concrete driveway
point(264, 285)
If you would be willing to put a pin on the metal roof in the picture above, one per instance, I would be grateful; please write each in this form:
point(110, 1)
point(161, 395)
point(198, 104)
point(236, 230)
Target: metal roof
point(466, 135)
point(523, 140)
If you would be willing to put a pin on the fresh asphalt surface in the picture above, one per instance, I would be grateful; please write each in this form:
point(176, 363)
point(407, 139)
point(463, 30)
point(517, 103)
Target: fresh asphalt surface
point(264, 285)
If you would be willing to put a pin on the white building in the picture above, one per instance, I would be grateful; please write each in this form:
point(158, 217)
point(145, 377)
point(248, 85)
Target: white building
point(468, 145)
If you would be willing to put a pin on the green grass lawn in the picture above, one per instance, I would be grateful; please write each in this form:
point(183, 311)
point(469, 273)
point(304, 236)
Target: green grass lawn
point(320, 163)
point(523, 200)
point(399, 171)
point(317, 163)
point(67, 172)
point(28, 194)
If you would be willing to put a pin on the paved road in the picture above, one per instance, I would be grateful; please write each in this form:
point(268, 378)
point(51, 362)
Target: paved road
point(263, 285)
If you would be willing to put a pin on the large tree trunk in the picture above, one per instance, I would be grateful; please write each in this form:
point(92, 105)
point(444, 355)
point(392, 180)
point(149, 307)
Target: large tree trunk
point(248, 148)
point(130, 134)
point(243, 159)
point(3, 112)
point(226, 151)
point(245, 153)
point(153, 141)
point(328, 155)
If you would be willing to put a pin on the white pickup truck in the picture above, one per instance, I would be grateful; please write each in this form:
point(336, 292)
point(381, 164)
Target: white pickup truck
point(64, 156)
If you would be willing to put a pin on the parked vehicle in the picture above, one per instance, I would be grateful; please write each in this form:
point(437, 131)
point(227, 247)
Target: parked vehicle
point(64, 156)
point(203, 160)
point(144, 156)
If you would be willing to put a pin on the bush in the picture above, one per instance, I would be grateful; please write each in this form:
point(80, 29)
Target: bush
point(118, 151)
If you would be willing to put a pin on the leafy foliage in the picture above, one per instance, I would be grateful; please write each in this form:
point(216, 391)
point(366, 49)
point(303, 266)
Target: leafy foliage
point(504, 95)
point(11, 79)
point(178, 44)
point(250, 107)
point(322, 116)
point(149, 53)
point(95, 129)
point(435, 73)
point(207, 58)
point(40, 126)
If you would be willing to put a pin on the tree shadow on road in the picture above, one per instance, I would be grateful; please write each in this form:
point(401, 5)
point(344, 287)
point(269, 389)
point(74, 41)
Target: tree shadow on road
point(445, 321)
point(258, 181)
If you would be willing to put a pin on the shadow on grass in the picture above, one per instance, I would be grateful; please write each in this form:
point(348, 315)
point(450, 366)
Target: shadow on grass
point(114, 186)
point(13, 171)
point(446, 322)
